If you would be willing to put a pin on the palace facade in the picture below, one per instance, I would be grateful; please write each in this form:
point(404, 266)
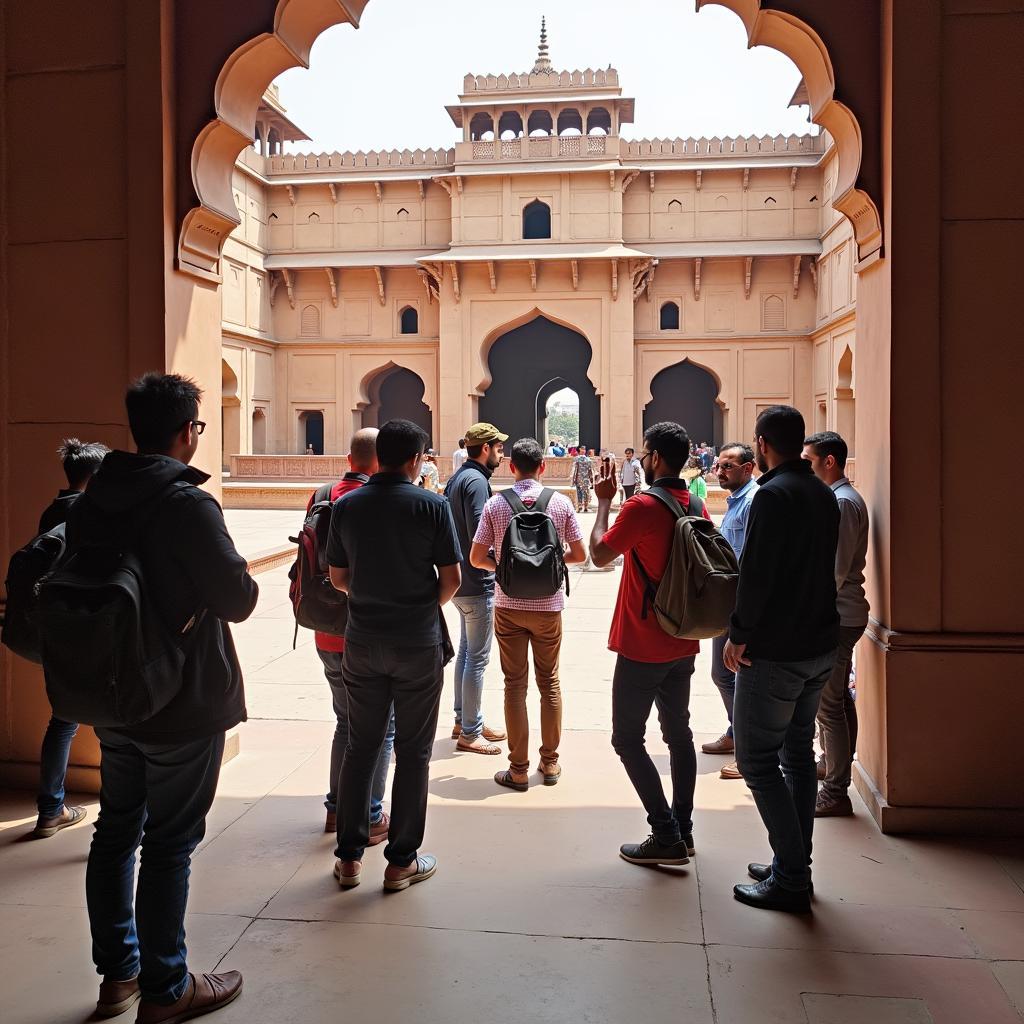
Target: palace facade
point(693, 279)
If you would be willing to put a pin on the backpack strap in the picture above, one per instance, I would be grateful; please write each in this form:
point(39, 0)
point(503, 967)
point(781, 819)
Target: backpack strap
point(669, 500)
point(541, 504)
point(322, 493)
point(514, 501)
point(674, 505)
point(696, 506)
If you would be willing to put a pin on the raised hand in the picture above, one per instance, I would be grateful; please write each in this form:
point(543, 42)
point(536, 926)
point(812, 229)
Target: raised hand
point(607, 484)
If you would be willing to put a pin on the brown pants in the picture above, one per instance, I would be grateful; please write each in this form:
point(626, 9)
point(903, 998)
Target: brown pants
point(516, 631)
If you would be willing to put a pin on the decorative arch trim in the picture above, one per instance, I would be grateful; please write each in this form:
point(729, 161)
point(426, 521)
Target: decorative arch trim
point(241, 84)
point(798, 41)
point(648, 388)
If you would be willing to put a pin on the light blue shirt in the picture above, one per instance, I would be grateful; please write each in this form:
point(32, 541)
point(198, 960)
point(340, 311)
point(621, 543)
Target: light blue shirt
point(734, 522)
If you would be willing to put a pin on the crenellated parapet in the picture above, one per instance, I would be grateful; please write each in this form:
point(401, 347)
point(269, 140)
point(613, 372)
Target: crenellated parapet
point(777, 145)
point(603, 78)
point(390, 159)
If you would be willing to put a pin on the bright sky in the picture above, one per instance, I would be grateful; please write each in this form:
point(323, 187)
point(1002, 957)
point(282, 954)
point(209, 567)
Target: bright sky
point(385, 86)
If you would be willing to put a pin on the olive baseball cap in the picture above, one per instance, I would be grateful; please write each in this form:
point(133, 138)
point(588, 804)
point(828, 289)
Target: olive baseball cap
point(484, 433)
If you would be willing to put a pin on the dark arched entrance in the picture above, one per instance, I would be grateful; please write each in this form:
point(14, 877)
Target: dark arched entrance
point(528, 365)
point(397, 394)
point(688, 395)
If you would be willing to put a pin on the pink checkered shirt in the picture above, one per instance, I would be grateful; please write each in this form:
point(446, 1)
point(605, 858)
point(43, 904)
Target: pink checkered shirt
point(494, 522)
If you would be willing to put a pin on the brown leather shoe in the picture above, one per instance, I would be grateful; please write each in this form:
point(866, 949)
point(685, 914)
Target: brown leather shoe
point(730, 771)
point(348, 872)
point(331, 822)
point(117, 996)
point(46, 827)
point(833, 807)
point(551, 771)
point(492, 735)
point(723, 745)
point(456, 731)
point(379, 832)
point(477, 746)
point(204, 994)
point(821, 768)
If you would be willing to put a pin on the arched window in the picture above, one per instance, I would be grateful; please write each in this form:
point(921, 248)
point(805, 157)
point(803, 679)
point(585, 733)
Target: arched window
point(570, 122)
point(403, 214)
point(539, 123)
point(536, 220)
point(410, 320)
point(669, 317)
point(773, 313)
point(675, 206)
point(599, 122)
point(481, 127)
point(314, 218)
point(510, 125)
point(309, 322)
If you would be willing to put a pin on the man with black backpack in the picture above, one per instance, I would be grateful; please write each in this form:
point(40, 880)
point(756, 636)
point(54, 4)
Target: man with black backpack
point(528, 527)
point(652, 667)
point(362, 461)
point(158, 776)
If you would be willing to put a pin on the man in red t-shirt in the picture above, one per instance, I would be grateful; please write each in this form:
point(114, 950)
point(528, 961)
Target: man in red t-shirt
point(652, 667)
point(362, 461)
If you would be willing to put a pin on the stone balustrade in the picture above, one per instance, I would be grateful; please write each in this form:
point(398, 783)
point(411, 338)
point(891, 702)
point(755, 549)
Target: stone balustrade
point(539, 147)
point(391, 159)
point(728, 147)
point(602, 78)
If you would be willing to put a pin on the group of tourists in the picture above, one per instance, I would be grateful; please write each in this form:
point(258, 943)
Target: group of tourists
point(393, 554)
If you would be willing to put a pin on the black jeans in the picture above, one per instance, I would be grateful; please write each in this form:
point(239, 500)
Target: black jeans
point(375, 676)
point(628, 490)
point(636, 687)
point(159, 795)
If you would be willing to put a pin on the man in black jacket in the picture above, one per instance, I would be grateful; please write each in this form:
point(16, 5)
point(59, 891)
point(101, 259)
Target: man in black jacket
point(158, 778)
point(782, 645)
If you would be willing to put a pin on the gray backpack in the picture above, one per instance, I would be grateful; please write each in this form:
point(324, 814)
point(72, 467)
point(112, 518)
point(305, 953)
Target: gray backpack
point(697, 592)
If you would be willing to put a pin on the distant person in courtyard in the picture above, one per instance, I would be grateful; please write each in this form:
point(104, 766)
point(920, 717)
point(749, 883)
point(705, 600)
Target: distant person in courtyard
point(430, 478)
point(632, 475)
point(782, 647)
point(393, 550)
point(837, 713)
point(651, 667)
point(309, 450)
point(467, 493)
point(362, 461)
point(459, 456)
point(525, 624)
point(80, 461)
point(158, 778)
point(694, 475)
point(735, 469)
point(582, 478)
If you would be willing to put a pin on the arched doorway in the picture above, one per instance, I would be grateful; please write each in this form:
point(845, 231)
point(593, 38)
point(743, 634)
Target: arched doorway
point(230, 415)
point(528, 365)
point(687, 394)
point(311, 431)
point(259, 432)
point(558, 415)
point(845, 420)
point(396, 393)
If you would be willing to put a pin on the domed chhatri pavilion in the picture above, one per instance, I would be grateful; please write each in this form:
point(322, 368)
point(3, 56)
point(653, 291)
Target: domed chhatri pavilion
point(693, 279)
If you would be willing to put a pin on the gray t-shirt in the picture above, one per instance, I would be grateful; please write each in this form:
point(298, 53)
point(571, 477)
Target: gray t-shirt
point(851, 555)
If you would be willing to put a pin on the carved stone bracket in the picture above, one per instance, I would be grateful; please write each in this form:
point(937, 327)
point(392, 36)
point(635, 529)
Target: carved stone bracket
point(746, 178)
point(615, 280)
point(292, 194)
point(329, 271)
point(458, 182)
point(628, 180)
point(696, 278)
point(574, 264)
point(792, 177)
point(379, 274)
point(379, 190)
point(491, 275)
point(700, 176)
point(333, 190)
point(429, 284)
point(813, 268)
point(797, 260)
point(423, 190)
point(445, 184)
point(275, 282)
point(454, 268)
point(641, 272)
point(650, 280)
point(748, 266)
point(797, 40)
point(652, 180)
point(611, 180)
point(533, 274)
point(287, 275)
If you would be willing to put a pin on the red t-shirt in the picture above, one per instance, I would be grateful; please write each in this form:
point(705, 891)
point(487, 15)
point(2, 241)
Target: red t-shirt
point(644, 525)
point(328, 641)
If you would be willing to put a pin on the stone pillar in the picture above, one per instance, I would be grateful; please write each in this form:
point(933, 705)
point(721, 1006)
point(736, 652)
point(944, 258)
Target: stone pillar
point(618, 429)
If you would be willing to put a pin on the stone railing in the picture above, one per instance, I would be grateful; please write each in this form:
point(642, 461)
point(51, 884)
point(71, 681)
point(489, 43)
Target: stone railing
point(600, 79)
point(729, 147)
point(391, 159)
point(539, 147)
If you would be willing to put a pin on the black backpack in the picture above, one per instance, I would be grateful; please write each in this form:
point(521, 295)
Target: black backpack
point(27, 567)
point(109, 657)
point(315, 602)
point(531, 563)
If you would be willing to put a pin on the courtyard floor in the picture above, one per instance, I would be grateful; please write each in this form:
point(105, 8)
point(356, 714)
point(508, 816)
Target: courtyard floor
point(532, 915)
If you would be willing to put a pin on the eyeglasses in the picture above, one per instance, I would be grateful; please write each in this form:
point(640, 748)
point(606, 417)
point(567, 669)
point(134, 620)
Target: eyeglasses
point(724, 467)
point(645, 455)
point(200, 425)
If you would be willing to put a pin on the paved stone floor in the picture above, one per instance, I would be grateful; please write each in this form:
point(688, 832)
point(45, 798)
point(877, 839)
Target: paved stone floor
point(532, 916)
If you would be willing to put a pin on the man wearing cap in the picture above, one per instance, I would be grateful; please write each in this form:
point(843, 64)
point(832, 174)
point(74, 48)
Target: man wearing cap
point(467, 492)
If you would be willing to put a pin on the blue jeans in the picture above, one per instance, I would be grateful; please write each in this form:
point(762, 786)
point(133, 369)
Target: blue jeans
point(332, 669)
point(776, 703)
point(158, 795)
point(53, 766)
point(722, 677)
point(476, 622)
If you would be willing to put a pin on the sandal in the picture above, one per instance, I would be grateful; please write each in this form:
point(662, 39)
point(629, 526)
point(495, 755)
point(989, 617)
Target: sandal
point(507, 779)
point(426, 865)
point(551, 773)
point(477, 746)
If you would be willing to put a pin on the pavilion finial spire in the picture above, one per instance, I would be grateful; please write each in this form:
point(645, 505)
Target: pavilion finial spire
point(543, 65)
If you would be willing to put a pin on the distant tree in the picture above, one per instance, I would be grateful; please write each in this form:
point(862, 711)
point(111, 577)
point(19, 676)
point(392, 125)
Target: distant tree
point(564, 425)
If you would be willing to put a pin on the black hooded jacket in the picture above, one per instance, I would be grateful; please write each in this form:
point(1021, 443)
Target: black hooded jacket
point(57, 511)
point(191, 567)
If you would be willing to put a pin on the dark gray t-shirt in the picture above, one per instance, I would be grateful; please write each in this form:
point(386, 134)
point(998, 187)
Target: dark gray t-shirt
point(468, 491)
point(391, 536)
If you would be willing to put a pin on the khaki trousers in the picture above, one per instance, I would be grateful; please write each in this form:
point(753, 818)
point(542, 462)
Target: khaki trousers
point(517, 631)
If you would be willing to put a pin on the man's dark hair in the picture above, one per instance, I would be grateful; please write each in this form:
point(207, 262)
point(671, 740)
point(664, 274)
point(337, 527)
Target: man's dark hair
point(474, 451)
point(398, 442)
point(828, 442)
point(527, 455)
point(159, 405)
point(462, 442)
point(671, 442)
point(782, 427)
point(80, 459)
point(745, 450)
point(630, 451)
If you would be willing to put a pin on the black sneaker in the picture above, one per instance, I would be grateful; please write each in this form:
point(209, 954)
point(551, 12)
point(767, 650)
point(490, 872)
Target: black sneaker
point(767, 895)
point(762, 872)
point(651, 851)
point(688, 843)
